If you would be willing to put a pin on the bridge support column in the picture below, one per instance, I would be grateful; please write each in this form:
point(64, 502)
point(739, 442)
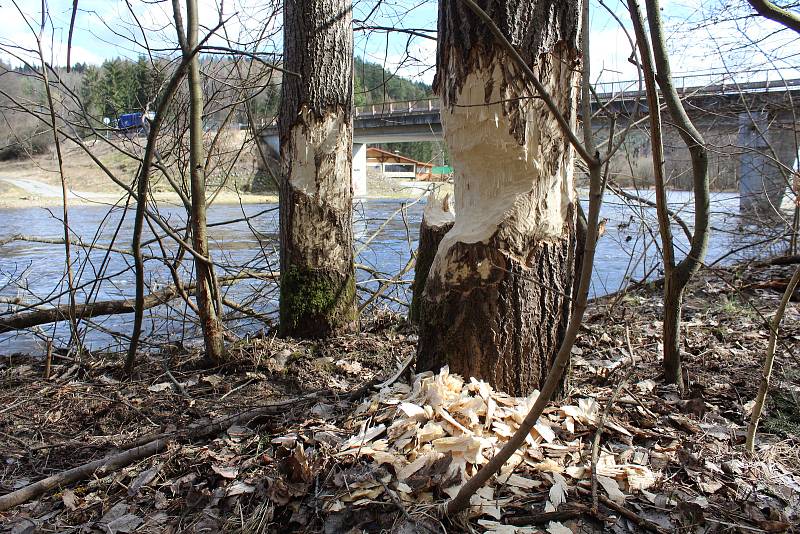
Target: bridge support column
point(764, 163)
point(273, 143)
point(359, 169)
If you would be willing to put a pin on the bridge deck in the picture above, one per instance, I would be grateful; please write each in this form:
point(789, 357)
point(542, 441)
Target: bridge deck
point(784, 90)
point(419, 120)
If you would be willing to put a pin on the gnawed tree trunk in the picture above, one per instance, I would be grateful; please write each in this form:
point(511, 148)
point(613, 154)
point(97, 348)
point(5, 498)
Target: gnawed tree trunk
point(437, 219)
point(318, 292)
point(497, 299)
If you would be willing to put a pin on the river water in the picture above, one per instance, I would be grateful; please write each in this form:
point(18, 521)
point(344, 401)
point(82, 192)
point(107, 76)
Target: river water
point(626, 251)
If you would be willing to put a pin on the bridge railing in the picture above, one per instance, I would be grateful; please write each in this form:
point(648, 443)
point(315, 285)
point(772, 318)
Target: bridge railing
point(709, 82)
point(403, 107)
point(695, 83)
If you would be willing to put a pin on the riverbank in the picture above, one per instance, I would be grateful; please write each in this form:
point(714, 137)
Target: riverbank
point(294, 462)
point(36, 182)
point(16, 193)
point(29, 193)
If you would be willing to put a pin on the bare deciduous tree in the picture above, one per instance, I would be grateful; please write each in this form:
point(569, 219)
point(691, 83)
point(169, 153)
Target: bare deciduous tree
point(318, 286)
point(497, 299)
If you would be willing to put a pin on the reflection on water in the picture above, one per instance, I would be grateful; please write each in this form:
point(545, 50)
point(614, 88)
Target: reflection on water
point(626, 251)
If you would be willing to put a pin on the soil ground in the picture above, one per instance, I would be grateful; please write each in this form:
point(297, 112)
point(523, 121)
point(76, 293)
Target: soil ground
point(281, 471)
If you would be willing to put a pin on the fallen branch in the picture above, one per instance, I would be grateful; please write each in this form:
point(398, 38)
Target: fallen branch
point(627, 513)
point(138, 452)
point(61, 313)
point(569, 512)
point(778, 285)
point(107, 307)
point(149, 445)
point(790, 259)
point(98, 467)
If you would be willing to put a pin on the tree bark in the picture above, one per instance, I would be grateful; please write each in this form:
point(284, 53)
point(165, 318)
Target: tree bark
point(497, 298)
point(142, 189)
point(318, 296)
point(767, 9)
point(675, 280)
point(437, 219)
point(207, 290)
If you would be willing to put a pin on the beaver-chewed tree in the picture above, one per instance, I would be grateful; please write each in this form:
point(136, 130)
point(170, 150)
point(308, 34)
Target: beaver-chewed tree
point(317, 292)
point(497, 299)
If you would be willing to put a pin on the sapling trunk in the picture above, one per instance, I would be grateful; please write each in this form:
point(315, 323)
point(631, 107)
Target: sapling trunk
point(656, 67)
point(766, 373)
point(207, 290)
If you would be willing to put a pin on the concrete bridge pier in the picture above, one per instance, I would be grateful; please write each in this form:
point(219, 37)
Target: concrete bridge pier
point(359, 169)
point(273, 146)
point(765, 163)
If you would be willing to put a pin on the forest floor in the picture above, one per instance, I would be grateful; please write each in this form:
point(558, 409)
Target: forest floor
point(321, 448)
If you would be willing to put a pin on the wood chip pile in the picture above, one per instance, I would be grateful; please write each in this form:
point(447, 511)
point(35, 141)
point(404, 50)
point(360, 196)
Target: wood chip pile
point(436, 433)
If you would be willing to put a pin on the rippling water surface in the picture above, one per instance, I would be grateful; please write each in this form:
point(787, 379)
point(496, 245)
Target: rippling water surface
point(626, 250)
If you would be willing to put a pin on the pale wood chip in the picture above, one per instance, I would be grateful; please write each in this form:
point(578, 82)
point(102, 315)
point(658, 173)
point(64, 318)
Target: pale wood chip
point(612, 488)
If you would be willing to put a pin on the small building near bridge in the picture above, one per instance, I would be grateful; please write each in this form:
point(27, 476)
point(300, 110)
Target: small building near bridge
point(386, 164)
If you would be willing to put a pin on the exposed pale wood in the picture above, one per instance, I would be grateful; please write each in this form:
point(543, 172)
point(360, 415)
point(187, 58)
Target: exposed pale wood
point(318, 295)
point(437, 219)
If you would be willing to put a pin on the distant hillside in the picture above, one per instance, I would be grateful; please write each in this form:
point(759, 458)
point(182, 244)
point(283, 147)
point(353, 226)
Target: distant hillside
point(122, 86)
point(373, 83)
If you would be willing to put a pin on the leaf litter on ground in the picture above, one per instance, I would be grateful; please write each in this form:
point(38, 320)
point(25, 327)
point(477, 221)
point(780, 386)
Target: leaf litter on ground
point(396, 455)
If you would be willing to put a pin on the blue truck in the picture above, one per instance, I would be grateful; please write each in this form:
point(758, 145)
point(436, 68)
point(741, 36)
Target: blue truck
point(130, 121)
point(134, 122)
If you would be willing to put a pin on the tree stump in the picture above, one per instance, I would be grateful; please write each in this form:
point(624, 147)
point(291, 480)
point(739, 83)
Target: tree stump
point(437, 219)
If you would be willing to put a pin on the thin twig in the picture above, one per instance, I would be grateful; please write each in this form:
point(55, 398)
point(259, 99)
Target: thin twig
point(604, 417)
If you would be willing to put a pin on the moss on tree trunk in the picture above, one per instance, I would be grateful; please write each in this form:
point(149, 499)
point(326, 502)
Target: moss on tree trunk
point(317, 294)
point(316, 302)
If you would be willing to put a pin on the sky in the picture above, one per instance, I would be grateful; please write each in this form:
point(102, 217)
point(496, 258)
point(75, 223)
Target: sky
point(105, 29)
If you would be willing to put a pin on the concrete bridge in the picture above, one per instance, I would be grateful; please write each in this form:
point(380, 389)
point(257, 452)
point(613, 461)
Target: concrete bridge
point(751, 127)
point(388, 122)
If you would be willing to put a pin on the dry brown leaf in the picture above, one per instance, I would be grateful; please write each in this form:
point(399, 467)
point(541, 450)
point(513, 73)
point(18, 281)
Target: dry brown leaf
point(225, 471)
